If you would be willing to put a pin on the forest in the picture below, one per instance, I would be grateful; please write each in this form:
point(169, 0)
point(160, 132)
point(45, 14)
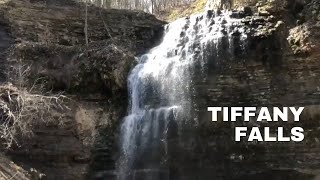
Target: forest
point(150, 6)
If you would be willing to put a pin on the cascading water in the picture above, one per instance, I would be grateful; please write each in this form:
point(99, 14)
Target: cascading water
point(161, 90)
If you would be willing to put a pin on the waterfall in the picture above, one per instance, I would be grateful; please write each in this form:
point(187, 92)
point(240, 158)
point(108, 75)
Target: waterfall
point(161, 89)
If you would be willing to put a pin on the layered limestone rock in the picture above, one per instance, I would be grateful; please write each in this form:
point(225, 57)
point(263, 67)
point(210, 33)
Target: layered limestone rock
point(279, 67)
point(301, 16)
point(46, 53)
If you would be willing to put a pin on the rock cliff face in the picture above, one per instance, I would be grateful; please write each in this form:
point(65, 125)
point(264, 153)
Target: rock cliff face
point(280, 67)
point(44, 51)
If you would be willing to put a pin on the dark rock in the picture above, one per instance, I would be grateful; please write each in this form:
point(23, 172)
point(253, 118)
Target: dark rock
point(210, 14)
point(247, 11)
point(218, 12)
point(236, 33)
point(238, 14)
point(224, 21)
point(269, 69)
point(48, 36)
point(212, 22)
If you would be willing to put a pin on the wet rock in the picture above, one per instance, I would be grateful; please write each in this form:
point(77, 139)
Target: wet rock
point(237, 14)
point(219, 12)
point(224, 21)
point(247, 11)
point(219, 4)
point(236, 33)
point(264, 13)
point(262, 71)
point(212, 22)
point(210, 13)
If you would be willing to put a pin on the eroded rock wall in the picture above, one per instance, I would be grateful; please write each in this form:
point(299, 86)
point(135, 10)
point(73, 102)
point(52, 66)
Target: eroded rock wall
point(279, 67)
point(48, 55)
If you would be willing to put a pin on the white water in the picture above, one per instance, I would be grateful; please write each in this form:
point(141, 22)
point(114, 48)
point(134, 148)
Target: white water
point(161, 88)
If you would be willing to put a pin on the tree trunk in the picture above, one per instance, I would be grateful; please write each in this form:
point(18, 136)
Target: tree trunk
point(86, 25)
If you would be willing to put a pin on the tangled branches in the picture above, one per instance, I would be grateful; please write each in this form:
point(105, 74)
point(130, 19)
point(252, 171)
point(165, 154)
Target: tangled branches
point(21, 111)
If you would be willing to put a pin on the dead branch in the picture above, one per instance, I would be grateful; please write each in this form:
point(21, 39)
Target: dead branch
point(22, 111)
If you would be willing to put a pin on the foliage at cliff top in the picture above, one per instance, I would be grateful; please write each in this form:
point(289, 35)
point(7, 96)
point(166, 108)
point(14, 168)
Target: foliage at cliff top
point(183, 11)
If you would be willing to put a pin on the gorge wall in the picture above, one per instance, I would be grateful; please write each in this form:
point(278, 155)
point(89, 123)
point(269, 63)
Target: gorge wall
point(278, 66)
point(266, 58)
point(46, 40)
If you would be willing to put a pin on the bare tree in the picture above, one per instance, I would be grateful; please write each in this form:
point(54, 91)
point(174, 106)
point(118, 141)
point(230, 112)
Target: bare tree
point(21, 109)
point(151, 6)
point(86, 25)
